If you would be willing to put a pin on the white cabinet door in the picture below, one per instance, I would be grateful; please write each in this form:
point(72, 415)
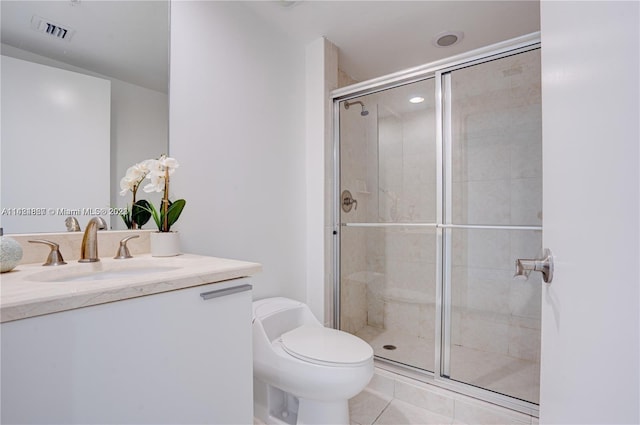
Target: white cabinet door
point(173, 357)
point(590, 357)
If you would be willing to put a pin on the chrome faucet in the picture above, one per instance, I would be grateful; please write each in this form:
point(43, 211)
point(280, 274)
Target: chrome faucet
point(89, 248)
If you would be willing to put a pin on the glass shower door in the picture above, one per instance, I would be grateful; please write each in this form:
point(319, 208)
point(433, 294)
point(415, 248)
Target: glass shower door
point(493, 216)
point(437, 200)
point(388, 264)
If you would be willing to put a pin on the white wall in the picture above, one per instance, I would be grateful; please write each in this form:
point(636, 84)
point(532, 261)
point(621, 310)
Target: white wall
point(139, 129)
point(55, 138)
point(237, 128)
point(321, 67)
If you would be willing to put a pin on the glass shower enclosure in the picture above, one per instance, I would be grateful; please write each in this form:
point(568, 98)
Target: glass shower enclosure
point(439, 191)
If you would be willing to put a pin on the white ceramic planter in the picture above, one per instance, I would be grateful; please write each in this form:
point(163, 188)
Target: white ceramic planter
point(165, 244)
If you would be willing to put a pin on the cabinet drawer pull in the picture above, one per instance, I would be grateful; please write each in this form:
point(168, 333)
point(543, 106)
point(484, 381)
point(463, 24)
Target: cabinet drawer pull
point(227, 291)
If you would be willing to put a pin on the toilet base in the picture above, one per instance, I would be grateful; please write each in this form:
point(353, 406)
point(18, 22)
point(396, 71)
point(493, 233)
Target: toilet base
point(273, 406)
point(276, 407)
point(323, 412)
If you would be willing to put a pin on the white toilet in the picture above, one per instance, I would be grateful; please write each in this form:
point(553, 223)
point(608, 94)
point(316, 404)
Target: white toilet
point(304, 373)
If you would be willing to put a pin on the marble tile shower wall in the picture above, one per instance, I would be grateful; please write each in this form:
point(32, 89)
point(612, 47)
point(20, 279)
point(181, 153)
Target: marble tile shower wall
point(402, 299)
point(389, 274)
point(359, 175)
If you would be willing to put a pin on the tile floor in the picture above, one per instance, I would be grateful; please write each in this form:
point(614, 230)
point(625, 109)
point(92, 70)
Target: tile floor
point(393, 399)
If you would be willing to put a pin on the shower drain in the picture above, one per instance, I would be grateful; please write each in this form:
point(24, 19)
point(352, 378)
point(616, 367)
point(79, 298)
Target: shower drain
point(389, 347)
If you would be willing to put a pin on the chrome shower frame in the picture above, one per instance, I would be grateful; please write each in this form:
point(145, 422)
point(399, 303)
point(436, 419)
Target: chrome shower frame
point(439, 71)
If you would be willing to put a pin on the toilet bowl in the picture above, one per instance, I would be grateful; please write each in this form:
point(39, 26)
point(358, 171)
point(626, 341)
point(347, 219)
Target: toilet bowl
point(303, 372)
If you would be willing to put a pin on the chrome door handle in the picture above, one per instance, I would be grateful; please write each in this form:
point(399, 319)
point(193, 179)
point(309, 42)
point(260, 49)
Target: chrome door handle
point(544, 266)
point(226, 291)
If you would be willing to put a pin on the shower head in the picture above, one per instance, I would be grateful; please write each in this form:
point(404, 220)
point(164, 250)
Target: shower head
point(364, 112)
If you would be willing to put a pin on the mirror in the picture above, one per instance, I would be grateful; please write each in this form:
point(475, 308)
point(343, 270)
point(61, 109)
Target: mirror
point(122, 43)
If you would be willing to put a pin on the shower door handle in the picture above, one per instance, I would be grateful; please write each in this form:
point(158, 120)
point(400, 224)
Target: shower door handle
point(544, 266)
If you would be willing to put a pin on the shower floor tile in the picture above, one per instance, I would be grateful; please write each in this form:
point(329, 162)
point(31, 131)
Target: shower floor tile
point(500, 373)
point(503, 374)
point(409, 349)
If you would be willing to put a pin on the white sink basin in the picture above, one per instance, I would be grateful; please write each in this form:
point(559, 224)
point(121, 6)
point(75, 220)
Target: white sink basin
point(98, 271)
point(113, 274)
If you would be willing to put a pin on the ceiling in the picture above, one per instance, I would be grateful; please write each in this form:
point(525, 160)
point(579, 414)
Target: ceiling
point(128, 40)
point(380, 37)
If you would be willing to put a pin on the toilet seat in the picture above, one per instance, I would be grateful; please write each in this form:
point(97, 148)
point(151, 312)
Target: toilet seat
point(325, 346)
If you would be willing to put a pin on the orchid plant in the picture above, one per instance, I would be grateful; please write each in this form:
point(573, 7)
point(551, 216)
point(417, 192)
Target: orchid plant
point(158, 172)
point(138, 214)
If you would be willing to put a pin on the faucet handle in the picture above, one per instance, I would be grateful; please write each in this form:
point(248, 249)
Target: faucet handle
point(55, 257)
point(72, 224)
point(123, 250)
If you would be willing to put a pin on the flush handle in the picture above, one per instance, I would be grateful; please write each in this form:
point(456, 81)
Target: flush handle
point(544, 266)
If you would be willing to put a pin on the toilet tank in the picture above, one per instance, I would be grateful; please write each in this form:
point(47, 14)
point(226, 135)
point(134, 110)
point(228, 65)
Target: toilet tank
point(280, 315)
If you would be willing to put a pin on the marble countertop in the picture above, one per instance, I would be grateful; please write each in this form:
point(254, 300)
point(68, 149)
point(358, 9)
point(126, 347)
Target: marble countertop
point(33, 290)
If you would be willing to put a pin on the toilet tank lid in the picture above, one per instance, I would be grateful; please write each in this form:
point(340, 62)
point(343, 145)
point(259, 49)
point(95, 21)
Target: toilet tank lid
point(268, 306)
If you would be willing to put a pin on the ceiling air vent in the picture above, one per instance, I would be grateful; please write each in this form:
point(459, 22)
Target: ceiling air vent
point(46, 26)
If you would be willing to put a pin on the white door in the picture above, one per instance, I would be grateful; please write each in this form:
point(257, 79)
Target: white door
point(590, 313)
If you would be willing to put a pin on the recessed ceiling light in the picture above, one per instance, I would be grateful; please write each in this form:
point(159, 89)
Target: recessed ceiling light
point(416, 99)
point(447, 38)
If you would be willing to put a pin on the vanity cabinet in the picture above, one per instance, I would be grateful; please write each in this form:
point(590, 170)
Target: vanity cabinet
point(179, 357)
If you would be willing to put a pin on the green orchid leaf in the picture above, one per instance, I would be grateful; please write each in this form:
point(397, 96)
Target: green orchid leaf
point(126, 217)
point(154, 213)
point(140, 213)
point(174, 211)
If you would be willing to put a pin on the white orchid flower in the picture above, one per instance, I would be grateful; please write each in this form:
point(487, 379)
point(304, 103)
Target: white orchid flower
point(134, 175)
point(147, 165)
point(126, 185)
point(157, 169)
point(158, 172)
point(170, 163)
point(153, 166)
point(157, 182)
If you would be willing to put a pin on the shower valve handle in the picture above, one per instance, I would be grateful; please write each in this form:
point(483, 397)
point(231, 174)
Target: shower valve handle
point(348, 201)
